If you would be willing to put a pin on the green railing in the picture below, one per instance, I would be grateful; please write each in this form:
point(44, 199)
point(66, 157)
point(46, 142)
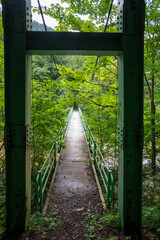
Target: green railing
point(50, 163)
point(100, 164)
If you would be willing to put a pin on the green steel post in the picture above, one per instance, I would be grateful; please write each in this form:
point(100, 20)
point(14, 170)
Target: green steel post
point(109, 189)
point(85, 125)
point(17, 116)
point(90, 142)
point(55, 152)
point(60, 142)
point(40, 190)
point(95, 153)
point(130, 130)
point(28, 69)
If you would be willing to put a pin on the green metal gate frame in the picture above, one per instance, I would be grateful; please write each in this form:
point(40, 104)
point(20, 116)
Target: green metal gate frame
point(20, 43)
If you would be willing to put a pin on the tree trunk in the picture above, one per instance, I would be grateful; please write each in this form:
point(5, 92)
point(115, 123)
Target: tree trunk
point(153, 141)
point(153, 111)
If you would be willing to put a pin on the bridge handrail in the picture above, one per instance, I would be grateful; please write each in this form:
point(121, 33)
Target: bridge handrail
point(50, 163)
point(100, 164)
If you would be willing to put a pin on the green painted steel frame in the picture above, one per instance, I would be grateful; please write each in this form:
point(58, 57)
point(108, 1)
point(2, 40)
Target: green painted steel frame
point(76, 43)
point(17, 114)
point(130, 129)
point(128, 45)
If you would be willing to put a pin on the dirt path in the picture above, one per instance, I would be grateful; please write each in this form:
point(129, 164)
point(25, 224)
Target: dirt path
point(75, 191)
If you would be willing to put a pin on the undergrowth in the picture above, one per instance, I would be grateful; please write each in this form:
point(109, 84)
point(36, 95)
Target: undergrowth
point(2, 201)
point(151, 203)
point(38, 221)
point(96, 222)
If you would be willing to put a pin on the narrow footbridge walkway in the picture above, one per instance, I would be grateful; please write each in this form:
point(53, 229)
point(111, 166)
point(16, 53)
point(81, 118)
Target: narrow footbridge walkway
point(75, 192)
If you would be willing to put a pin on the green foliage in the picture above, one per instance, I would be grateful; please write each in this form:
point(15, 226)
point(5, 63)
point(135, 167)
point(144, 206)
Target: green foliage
point(151, 217)
point(48, 117)
point(111, 218)
point(2, 201)
point(151, 204)
point(95, 222)
point(152, 78)
point(91, 233)
point(38, 220)
point(85, 16)
point(112, 238)
point(97, 97)
point(45, 66)
point(91, 222)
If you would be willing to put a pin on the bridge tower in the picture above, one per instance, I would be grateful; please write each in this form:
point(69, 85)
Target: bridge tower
point(130, 128)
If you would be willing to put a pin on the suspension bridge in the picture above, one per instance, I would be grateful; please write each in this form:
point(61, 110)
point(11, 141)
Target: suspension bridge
point(74, 162)
point(75, 189)
point(127, 44)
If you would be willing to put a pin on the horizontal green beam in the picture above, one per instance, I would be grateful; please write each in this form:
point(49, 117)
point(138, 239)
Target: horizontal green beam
point(74, 43)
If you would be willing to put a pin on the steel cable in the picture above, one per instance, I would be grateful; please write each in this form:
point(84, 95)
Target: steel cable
point(45, 27)
point(106, 25)
point(40, 8)
point(109, 13)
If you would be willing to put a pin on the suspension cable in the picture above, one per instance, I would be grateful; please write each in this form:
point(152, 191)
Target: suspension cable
point(106, 25)
point(40, 8)
point(109, 13)
point(45, 27)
